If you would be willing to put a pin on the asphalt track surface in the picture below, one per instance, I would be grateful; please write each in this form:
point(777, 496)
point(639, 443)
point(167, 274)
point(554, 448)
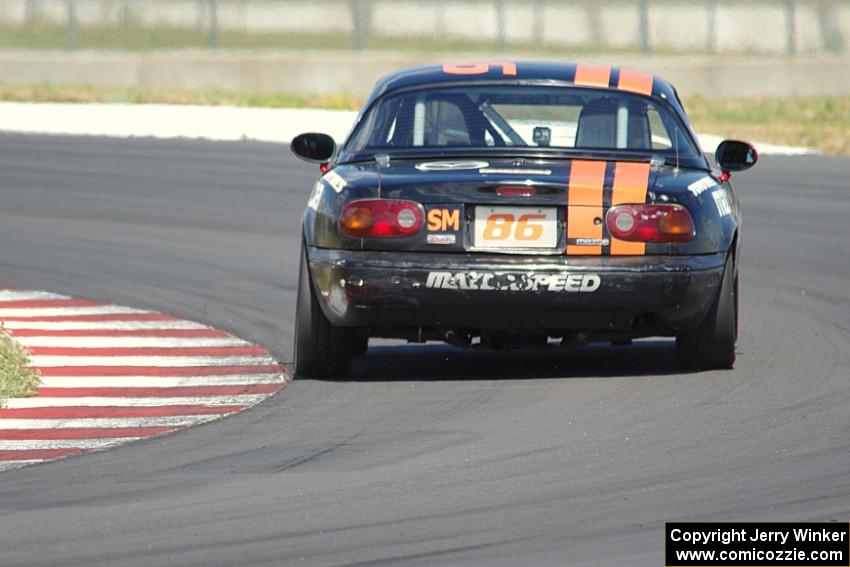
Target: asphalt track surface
point(429, 456)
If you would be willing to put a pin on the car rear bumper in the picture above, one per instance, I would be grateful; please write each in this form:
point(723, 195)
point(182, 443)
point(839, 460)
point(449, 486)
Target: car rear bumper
point(498, 292)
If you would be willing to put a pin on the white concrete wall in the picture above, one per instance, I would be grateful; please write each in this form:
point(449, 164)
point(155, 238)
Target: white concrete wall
point(329, 72)
point(742, 26)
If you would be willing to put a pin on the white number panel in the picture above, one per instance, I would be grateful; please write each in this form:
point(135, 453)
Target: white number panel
point(516, 227)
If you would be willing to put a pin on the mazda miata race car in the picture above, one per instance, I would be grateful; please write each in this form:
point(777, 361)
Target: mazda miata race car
point(509, 204)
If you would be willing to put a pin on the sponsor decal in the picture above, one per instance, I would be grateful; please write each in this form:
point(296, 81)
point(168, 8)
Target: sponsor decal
point(507, 171)
point(504, 281)
point(591, 242)
point(335, 180)
point(441, 238)
point(451, 165)
point(722, 202)
point(443, 220)
point(702, 185)
point(316, 196)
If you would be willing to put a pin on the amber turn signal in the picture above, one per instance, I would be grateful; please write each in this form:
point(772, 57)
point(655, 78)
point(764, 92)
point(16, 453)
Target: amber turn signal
point(356, 219)
point(381, 218)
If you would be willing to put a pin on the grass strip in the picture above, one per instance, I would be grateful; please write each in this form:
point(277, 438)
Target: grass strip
point(17, 379)
point(135, 37)
point(821, 122)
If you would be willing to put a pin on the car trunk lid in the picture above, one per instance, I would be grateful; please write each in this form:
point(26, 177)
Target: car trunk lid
point(517, 205)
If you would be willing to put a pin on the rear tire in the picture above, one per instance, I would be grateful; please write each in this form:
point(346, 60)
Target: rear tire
point(712, 344)
point(321, 350)
point(359, 345)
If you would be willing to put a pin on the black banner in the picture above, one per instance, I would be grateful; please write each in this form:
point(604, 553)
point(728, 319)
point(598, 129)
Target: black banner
point(768, 544)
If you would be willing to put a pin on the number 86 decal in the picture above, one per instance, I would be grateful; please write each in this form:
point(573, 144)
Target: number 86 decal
point(500, 226)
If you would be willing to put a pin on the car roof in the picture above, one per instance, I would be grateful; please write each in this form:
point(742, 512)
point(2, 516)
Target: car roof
point(507, 72)
point(529, 72)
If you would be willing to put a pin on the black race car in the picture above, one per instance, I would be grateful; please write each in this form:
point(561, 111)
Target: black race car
point(513, 203)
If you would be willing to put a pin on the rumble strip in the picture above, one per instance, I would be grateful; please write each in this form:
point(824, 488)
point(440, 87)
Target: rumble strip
point(112, 374)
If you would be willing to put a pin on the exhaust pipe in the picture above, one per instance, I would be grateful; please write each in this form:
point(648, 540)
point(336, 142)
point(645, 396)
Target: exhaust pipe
point(457, 339)
point(574, 341)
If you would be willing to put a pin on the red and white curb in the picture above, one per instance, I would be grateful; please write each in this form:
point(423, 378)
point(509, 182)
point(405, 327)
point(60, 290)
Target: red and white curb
point(112, 374)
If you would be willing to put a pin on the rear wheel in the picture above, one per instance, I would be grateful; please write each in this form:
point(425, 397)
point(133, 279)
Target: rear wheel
point(359, 345)
point(321, 350)
point(712, 344)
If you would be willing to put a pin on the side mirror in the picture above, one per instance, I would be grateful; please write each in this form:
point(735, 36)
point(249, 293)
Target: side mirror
point(313, 147)
point(732, 155)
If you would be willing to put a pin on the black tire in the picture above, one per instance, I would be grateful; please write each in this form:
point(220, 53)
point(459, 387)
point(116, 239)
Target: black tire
point(712, 344)
point(359, 345)
point(321, 350)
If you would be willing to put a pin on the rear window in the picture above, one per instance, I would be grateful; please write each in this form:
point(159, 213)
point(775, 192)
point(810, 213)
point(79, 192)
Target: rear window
point(514, 116)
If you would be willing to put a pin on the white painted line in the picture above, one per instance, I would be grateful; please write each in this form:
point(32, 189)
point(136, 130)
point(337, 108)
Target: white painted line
point(25, 295)
point(173, 121)
point(130, 342)
point(159, 421)
point(159, 382)
point(100, 325)
point(67, 311)
point(9, 465)
point(34, 445)
point(215, 122)
point(709, 143)
point(50, 361)
point(157, 401)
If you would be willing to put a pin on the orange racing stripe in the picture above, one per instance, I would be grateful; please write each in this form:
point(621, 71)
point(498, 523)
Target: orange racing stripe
point(584, 205)
point(631, 181)
point(592, 75)
point(635, 81)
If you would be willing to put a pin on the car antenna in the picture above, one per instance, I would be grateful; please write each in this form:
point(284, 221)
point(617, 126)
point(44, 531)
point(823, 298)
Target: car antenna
point(381, 160)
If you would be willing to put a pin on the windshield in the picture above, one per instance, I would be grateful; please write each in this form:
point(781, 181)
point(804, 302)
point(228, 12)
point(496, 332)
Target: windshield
point(535, 117)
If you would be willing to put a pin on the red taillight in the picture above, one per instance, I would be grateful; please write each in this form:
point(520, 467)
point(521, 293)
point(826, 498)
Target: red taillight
point(381, 218)
point(650, 223)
